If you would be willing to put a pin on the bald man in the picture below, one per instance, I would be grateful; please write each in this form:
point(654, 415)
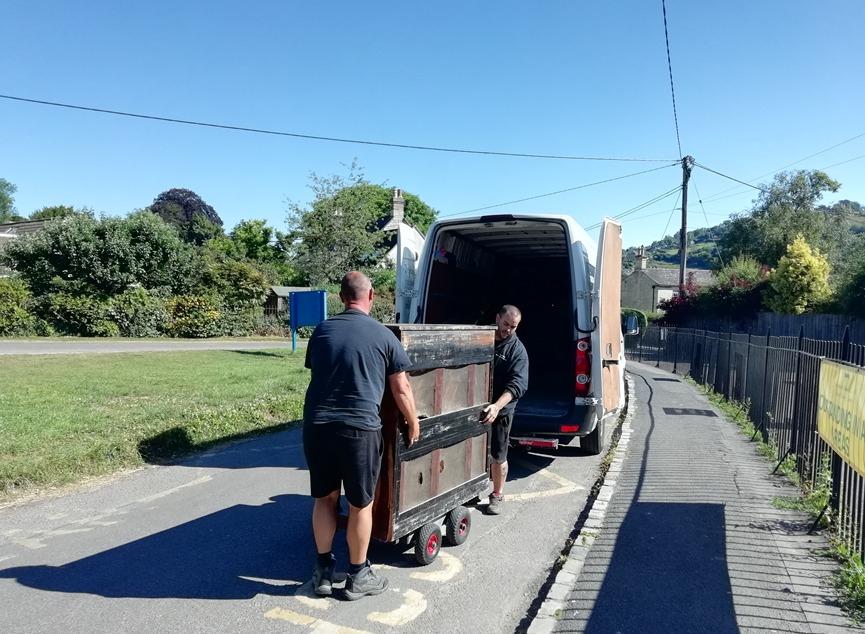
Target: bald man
point(352, 356)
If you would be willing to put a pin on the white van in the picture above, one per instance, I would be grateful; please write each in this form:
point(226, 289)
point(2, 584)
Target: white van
point(568, 290)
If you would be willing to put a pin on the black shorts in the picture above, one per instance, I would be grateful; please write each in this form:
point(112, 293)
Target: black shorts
point(342, 456)
point(500, 437)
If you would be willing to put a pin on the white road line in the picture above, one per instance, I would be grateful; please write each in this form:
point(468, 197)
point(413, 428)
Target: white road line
point(315, 624)
point(451, 568)
point(167, 492)
point(413, 606)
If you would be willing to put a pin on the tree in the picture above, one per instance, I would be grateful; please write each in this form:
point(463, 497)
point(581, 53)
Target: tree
point(84, 255)
point(196, 221)
point(339, 230)
point(784, 209)
point(57, 211)
point(8, 213)
point(801, 281)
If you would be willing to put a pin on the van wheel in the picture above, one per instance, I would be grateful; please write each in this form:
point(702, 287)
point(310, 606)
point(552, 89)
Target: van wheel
point(594, 443)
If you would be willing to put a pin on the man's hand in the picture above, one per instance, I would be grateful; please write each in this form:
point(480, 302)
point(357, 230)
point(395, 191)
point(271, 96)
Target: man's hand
point(413, 431)
point(491, 412)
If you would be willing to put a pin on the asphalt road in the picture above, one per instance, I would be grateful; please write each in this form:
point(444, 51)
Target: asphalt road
point(221, 543)
point(73, 345)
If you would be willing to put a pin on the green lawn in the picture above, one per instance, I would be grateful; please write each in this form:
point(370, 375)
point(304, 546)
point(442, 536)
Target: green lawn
point(66, 417)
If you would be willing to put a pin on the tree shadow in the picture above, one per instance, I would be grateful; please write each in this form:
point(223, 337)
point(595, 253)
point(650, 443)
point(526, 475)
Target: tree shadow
point(175, 446)
point(264, 353)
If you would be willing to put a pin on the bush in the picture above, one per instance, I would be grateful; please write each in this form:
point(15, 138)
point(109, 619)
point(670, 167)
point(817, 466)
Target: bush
point(15, 301)
point(236, 322)
point(193, 316)
point(801, 282)
point(83, 316)
point(138, 313)
point(271, 326)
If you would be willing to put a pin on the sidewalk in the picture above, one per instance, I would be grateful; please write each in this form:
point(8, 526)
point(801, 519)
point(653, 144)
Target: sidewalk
point(690, 541)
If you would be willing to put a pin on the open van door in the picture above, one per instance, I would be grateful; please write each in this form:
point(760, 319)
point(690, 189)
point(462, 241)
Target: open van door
point(607, 367)
point(409, 244)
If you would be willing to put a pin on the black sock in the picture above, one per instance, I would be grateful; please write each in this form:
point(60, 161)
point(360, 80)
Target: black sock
point(353, 569)
point(325, 559)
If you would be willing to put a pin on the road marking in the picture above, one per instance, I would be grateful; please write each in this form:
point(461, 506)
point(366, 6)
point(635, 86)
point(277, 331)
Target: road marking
point(271, 582)
point(167, 492)
point(413, 606)
point(565, 485)
point(317, 625)
point(451, 568)
point(7, 558)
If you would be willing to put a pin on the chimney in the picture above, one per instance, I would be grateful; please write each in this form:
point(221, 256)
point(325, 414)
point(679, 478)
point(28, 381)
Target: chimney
point(398, 206)
point(640, 259)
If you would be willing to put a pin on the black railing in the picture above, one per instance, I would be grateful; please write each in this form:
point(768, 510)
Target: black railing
point(777, 378)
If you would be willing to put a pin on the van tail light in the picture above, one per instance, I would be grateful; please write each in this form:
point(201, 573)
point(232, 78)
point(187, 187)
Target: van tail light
point(583, 367)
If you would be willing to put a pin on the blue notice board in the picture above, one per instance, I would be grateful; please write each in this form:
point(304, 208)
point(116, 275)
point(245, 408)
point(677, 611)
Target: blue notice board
point(305, 308)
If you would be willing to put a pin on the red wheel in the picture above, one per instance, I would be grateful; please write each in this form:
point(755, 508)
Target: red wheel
point(457, 525)
point(427, 544)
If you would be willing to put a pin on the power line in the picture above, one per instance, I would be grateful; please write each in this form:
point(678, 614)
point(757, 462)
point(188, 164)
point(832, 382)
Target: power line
point(314, 137)
point(705, 215)
point(670, 68)
point(632, 210)
point(709, 169)
point(670, 219)
point(560, 191)
point(818, 153)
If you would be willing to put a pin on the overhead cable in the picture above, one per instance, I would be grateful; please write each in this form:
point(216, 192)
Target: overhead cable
point(670, 68)
point(559, 191)
point(315, 137)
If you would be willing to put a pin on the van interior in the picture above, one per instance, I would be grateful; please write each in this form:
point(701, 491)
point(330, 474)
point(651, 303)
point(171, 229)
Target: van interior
point(477, 267)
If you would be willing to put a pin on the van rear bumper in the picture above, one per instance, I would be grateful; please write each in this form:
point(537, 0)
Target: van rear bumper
point(533, 425)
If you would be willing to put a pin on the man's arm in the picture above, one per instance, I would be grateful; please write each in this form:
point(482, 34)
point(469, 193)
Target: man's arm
point(400, 388)
point(518, 383)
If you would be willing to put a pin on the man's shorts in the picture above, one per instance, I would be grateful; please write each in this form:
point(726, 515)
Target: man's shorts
point(500, 437)
point(340, 455)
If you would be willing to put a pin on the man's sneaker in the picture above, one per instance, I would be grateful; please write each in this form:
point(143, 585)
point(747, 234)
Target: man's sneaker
point(495, 505)
point(322, 579)
point(364, 583)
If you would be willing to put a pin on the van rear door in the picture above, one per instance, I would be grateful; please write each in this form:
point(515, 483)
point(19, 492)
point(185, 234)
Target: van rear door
point(408, 250)
point(607, 372)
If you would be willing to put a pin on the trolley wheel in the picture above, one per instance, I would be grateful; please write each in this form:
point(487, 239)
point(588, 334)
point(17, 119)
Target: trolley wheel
point(428, 542)
point(458, 524)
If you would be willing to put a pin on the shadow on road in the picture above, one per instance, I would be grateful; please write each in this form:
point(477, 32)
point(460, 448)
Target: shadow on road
point(235, 553)
point(174, 446)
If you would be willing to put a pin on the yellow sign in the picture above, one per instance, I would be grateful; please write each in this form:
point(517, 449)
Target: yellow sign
point(841, 411)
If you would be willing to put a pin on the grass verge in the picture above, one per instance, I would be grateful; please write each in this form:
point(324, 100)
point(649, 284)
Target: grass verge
point(850, 578)
point(66, 418)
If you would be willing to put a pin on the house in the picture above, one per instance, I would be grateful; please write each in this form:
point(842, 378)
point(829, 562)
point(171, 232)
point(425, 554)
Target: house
point(395, 223)
point(276, 302)
point(645, 287)
point(11, 230)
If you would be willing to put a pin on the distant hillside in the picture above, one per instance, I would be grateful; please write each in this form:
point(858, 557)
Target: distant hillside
point(665, 252)
point(701, 242)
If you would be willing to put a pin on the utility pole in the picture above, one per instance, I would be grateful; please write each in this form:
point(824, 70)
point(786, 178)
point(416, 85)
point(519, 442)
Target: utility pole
point(687, 164)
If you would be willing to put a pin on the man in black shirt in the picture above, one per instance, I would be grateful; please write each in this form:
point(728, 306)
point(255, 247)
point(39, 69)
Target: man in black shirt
point(510, 382)
point(351, 356)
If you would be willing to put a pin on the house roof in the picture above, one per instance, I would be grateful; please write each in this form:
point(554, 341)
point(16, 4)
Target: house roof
point(670, 277)
point(283, 291)
point(22, 227)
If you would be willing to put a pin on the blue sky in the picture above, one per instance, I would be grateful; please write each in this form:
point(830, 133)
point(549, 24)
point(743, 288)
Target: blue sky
point(758, 85)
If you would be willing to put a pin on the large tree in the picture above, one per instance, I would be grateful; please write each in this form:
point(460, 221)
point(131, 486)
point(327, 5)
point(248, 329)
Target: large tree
point(784, 209)
point(7, 202)
point(57, 211)
point(196, 221)
point(339, 230)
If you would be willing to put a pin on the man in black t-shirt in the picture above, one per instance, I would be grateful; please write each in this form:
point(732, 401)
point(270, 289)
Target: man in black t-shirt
point(352, 356)
point(510, 382)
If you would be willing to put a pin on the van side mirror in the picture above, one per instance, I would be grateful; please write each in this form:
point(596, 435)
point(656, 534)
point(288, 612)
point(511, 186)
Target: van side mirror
point(631, 325)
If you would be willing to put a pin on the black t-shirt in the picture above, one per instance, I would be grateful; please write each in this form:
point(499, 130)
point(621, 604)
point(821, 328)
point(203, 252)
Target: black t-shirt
point(350, 355)
point(510, 371)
